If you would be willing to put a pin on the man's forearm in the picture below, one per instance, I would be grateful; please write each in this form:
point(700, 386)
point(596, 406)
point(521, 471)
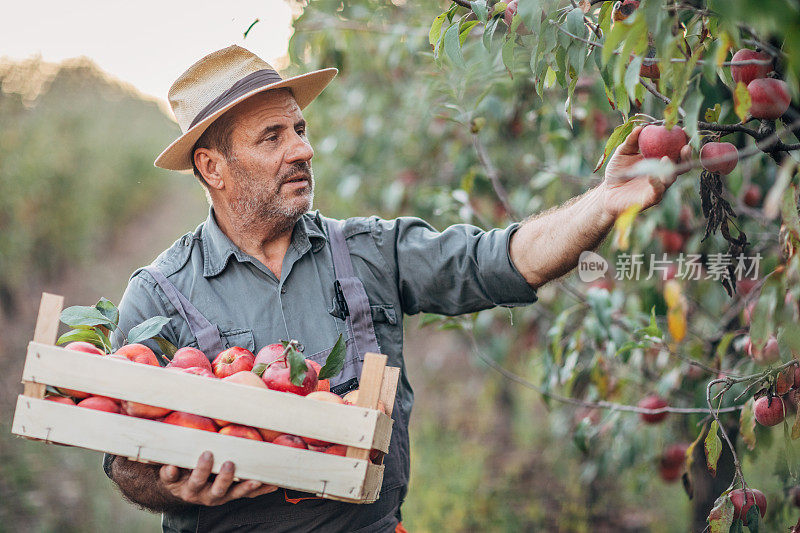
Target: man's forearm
point(141, 485)
point(549, 245)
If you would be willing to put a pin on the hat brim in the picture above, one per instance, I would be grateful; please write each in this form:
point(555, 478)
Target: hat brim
point(305, 88)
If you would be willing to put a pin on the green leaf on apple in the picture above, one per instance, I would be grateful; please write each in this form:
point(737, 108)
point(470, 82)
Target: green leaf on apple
point(297, 365)
point(81, 335)
point(84, 315)
point(166, 347)
point(147, 329)
point(108, 310)
point(615, 139)
point(335, 360)
point(747, 425)
point(721, 516)
point(753, 519)
point(259, 369)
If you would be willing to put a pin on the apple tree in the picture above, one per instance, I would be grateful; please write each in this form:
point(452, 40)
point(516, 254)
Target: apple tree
point(683, 353)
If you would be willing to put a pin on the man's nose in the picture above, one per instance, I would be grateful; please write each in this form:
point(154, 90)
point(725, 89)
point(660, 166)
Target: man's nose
point(300, 150)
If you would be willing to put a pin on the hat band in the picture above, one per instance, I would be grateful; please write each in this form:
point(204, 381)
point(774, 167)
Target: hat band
point(250, 82)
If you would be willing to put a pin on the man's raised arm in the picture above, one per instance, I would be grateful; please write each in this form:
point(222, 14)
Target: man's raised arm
point(548, 245)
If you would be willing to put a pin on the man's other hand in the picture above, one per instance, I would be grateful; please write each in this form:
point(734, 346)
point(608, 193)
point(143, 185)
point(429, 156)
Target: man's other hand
point(196, 487)
point(620, 189)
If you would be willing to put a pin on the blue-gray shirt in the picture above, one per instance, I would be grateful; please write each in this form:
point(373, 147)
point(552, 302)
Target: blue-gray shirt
point(405, 265)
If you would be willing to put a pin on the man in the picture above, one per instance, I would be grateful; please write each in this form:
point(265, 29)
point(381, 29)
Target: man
point(263, 268)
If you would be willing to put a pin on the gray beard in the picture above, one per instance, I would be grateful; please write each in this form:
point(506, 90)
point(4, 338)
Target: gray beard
point(255, 210)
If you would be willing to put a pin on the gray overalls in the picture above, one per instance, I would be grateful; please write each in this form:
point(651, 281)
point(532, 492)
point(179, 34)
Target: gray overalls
point(273, 512)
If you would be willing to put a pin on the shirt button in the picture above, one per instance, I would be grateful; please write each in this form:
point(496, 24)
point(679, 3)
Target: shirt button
point(283, 289)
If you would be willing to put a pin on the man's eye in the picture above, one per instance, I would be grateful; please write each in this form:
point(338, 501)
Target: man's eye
point(301, 132)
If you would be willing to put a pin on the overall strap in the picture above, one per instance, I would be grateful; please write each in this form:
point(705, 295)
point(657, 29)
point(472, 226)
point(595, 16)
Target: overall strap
point(359, 316)
point(208, 339)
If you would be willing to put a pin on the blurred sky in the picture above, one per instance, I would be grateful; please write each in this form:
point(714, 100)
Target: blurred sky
point(146, 43)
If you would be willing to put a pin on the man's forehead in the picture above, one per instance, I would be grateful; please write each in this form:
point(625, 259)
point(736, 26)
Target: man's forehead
point(277, 103)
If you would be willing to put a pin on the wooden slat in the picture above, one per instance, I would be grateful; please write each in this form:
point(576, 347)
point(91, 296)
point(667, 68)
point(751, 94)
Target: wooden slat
point(314, 472)
point(369, 390)
point(45, 333)
point(252, 406)
point(391, 375)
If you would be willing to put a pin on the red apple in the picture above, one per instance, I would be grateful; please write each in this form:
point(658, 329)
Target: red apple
point(742, 502)
point(337, 449)
point(671, 241)
point(277, 377)
point(60, 399)
point(657, 142)
point(269, 435)
point(140, 410)
point(752, 196)
point(196, 370)
point(769, 98)
point(246, 377)
point(653, 402)
point(293, 441)
point(100, 403)
point(138, 353)
point(765, 356)
point(233, 360)
point(351, 398)
point(189, 420)
point(80, 346)
point(720, 158)
point(669, 473)
point(188, 357)
point(269, 353)
point(797, 377)
point(236, 430)
point(323, 385)
point(769, 411)
point(748, 73)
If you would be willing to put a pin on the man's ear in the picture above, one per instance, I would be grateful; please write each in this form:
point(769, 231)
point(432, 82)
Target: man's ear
point(211, 165)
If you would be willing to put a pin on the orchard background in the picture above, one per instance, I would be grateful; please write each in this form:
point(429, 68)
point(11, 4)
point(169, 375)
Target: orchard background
point(526, 419)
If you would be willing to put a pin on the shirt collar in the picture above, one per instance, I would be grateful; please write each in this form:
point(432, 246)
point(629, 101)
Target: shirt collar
point(218, 247)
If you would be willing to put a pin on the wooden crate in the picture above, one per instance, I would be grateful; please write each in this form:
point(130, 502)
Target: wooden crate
point(361, 428)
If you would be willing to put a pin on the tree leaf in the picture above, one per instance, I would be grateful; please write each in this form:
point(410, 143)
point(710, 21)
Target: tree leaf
point(259, 369)
point(81, 335)
point(84, 315)
point(166, 347)
point(574, 23)
point(452, 46)
point(721, 516)
point(753, 519)
point(463, 33)
point(436, 29)
point(488, 32)
point(147, 329)
point(335, 360)
point(109, 310)
point(297, 366)
point(741, 100)
point(507, 53)
point(615, 139)
point(480, 9)
point(713, 446)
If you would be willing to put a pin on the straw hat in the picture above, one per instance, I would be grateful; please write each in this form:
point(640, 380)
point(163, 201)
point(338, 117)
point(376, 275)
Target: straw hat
point(218, 82)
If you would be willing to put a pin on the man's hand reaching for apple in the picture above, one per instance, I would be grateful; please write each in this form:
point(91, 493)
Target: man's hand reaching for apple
point(621, 189)
point(548, 245)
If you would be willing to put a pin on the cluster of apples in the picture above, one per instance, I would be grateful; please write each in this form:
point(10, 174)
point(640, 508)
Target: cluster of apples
point(234, 365)
point(784, 395)
point(769, 97)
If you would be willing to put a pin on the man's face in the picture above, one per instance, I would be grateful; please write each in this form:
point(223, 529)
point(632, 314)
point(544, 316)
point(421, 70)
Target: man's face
point(268, 177)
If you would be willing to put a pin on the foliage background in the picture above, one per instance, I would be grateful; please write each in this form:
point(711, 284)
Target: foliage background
point(82, 207)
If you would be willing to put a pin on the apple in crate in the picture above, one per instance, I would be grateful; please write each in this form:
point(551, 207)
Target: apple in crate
point(233, 360)
point(86, 347)
point(190, 357)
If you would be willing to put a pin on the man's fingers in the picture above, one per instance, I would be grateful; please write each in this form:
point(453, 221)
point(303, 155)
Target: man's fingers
point(169, 473)
point(265, 489)
point(243, 489)
point(685, 156)
point(630, 146)
point(223, 481)
point(199, 476)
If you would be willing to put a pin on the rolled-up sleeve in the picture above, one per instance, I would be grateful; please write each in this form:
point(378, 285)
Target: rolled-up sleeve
point(462, 269)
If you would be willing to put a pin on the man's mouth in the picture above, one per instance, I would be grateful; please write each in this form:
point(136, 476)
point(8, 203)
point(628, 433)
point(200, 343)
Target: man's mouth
point(298, 178)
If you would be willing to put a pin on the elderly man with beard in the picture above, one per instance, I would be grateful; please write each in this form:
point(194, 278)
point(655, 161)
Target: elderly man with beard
point(262, 267)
